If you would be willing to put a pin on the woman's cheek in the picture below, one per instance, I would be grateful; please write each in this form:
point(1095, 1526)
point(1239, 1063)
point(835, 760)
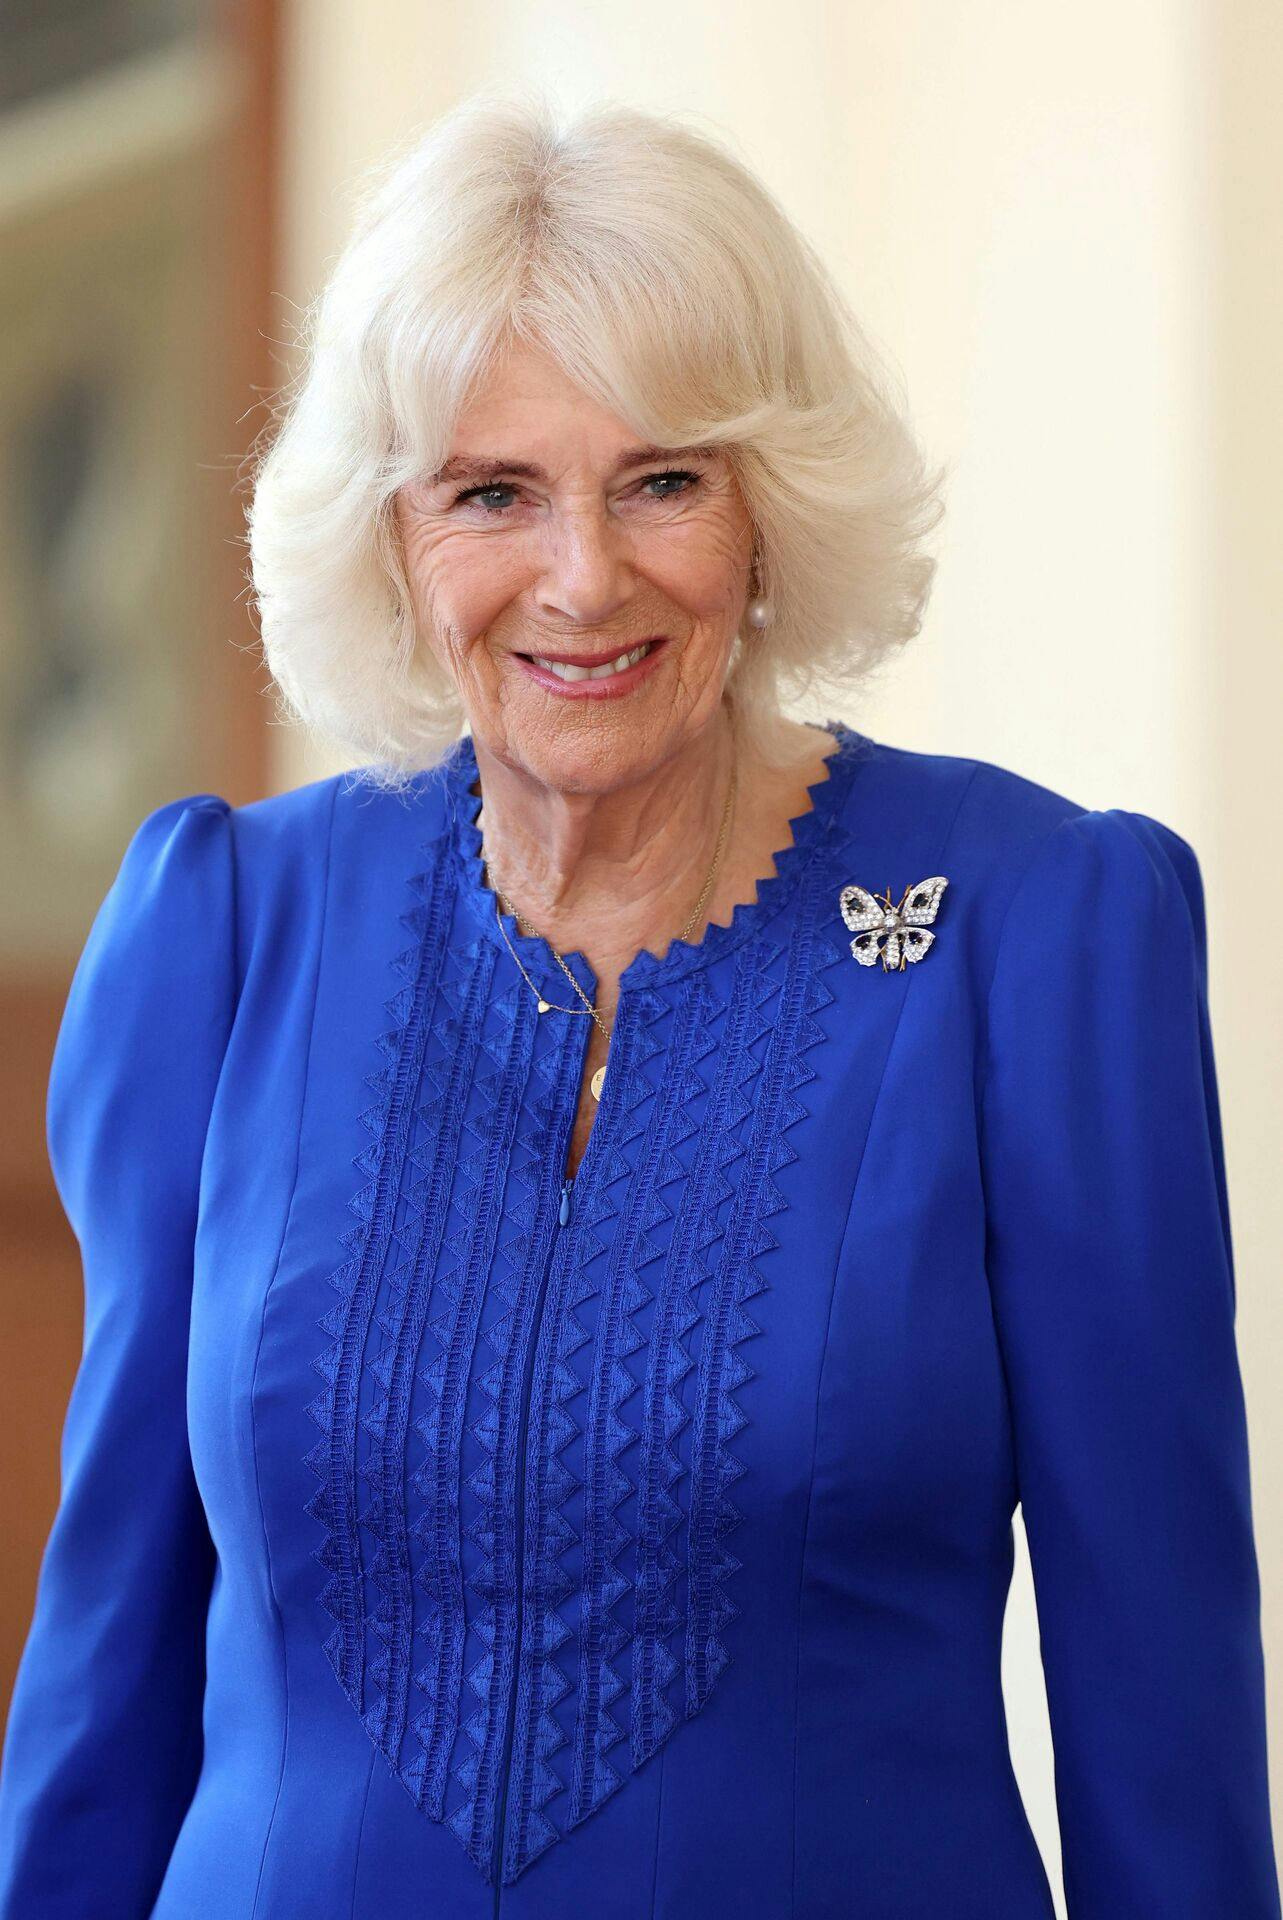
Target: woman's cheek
point(474, 589)
point(704, 585)
point(702, 565)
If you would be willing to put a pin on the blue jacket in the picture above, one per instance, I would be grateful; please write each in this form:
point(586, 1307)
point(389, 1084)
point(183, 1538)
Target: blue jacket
point(443, 1538)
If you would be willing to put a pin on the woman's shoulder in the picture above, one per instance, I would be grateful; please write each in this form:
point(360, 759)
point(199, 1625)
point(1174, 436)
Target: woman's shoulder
point(988, 814)
point(292, 832)
point(200, 873)
point(981, 804)
point(1006, 840)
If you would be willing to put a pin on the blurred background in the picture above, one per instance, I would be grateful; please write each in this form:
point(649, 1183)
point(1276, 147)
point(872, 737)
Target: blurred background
point(1065, 226)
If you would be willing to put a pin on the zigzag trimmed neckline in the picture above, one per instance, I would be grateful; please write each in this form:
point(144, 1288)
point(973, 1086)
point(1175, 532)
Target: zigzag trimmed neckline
point(772, 894)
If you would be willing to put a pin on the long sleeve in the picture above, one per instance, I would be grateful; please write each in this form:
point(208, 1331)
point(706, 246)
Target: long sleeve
point(1112, 1279)
point(103, 1743)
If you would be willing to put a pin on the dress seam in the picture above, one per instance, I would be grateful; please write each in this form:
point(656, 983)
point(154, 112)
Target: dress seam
point(360, 1831)
point(262, 1325)
point(828, 1326)
point(659, 1828)
point(815, 1432)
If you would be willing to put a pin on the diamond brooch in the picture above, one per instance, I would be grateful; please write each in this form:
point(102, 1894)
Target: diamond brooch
point(896, 935)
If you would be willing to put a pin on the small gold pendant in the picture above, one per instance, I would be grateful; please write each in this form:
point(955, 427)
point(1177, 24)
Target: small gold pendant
point(597, 1082)
point(544, 1007)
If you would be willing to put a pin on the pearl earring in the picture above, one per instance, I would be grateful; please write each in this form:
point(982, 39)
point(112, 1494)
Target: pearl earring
point(759, 612)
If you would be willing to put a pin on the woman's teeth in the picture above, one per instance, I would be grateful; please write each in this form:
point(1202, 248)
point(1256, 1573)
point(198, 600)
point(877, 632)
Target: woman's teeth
point(564, 670)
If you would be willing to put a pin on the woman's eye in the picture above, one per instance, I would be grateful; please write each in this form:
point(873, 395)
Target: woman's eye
point(668, 493)
point(485, 497)
point(497, 498)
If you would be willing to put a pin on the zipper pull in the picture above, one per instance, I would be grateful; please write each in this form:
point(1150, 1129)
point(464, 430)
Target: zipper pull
point(563, 1213)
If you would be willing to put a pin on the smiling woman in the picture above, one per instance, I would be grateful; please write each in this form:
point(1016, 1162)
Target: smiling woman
point(731, 420)
point(587, 610)
point(567, 1329)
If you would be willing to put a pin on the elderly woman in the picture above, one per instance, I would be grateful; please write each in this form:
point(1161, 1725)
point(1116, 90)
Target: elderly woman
point(591, 1227)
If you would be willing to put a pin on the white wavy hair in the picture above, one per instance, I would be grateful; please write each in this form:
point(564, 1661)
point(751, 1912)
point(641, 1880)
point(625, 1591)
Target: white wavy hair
point(669, 285)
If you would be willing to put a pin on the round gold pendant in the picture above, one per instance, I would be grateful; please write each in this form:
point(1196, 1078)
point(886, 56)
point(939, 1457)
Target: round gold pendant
point(597, 1082)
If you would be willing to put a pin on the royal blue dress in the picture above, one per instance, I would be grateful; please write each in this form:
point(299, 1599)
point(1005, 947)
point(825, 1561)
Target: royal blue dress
point(445, 1539)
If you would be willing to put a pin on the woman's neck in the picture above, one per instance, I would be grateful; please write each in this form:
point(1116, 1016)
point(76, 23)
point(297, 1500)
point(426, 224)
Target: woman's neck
point(617, 872)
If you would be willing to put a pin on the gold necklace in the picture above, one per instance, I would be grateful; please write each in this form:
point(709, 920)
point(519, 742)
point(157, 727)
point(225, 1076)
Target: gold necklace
point(550, 1006)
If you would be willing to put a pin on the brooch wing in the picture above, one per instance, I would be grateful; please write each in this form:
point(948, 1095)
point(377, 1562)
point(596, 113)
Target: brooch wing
point(860, 909)
point(866, 917)
point(918, 908)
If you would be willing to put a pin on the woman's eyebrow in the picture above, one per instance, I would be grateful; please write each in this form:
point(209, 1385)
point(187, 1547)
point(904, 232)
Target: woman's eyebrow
point(484, 467)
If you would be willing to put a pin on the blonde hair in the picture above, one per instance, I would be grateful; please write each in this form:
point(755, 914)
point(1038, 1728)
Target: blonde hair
point(669, 285)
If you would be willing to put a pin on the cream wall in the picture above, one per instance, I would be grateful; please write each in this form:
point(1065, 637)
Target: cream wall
point(1061, 221)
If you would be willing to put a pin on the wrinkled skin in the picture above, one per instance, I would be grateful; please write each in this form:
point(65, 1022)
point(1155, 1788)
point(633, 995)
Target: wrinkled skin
point(600, 816)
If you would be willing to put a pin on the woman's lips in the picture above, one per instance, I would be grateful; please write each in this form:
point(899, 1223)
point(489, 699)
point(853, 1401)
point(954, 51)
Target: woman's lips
point(610, 686)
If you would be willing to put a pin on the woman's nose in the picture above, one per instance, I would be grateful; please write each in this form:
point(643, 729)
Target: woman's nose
point(588, 574)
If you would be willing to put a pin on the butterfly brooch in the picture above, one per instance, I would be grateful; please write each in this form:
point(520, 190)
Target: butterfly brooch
point(896, 935)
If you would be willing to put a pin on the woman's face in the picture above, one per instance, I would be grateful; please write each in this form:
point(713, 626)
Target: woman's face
point(549, 539)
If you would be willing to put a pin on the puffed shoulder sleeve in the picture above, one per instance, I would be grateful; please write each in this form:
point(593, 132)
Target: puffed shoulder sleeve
point(1112, 1279)
point(103, 1742)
